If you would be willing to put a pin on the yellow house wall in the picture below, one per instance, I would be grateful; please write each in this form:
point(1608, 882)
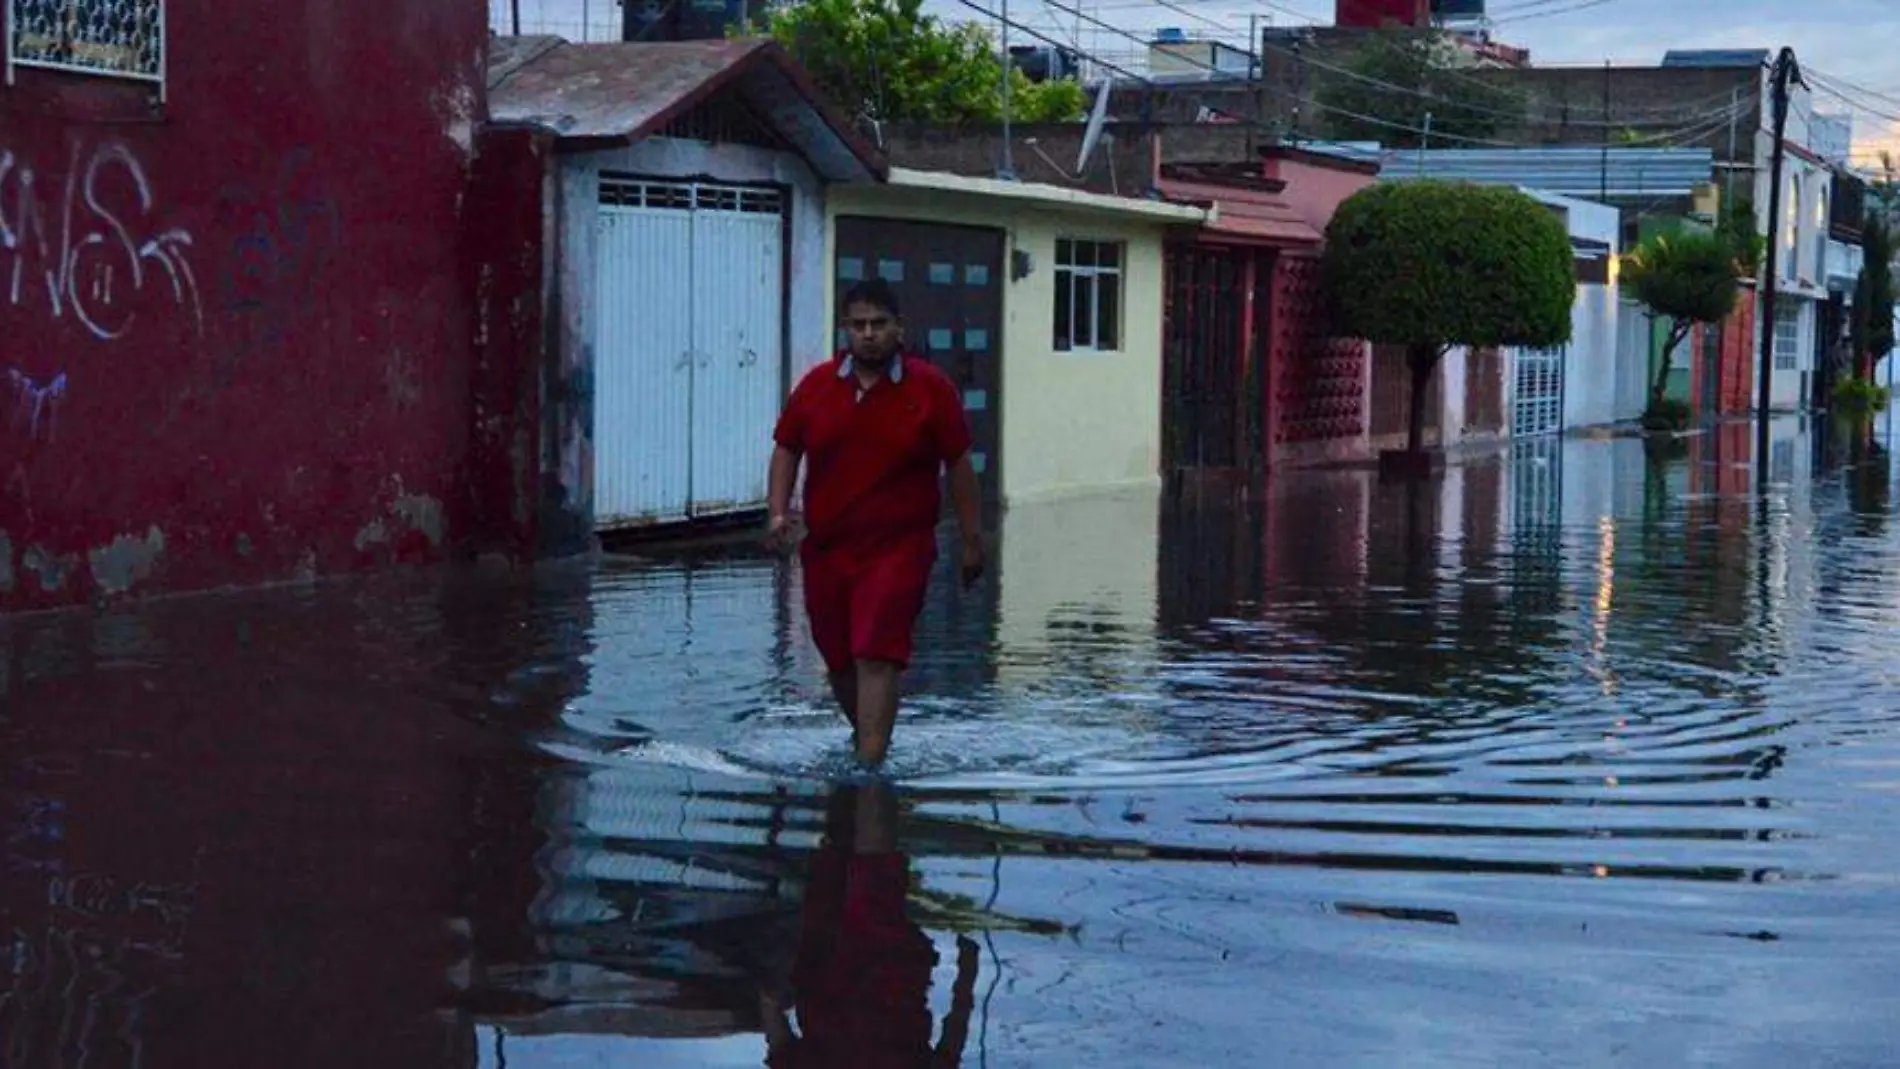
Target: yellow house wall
point(1072, 423)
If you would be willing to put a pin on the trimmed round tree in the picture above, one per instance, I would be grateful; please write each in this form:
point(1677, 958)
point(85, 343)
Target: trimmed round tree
point(1432, 265)
point(1687, 277)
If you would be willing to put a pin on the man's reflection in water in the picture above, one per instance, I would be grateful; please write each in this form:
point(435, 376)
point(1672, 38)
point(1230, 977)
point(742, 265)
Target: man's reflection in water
point(861, 980)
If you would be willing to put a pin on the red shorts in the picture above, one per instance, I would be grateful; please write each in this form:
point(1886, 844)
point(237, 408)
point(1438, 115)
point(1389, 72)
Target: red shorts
point(863, 606)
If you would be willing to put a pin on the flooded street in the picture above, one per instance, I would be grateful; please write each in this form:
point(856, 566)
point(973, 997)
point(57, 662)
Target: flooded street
point(1577, 758)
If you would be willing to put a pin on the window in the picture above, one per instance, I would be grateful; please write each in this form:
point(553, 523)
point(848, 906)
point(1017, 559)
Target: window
point(122, 38)
point(1791, 224)
point(1821, 235)
point(1088, 296)
point(1787, 334)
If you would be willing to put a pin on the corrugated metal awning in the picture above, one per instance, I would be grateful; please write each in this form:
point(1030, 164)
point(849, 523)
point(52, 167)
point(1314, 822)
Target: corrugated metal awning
point(1578, 172)
point(619, 93)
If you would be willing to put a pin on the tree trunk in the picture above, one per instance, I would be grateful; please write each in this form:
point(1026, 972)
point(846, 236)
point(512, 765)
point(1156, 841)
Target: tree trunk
point(1666, 365)
point(1422, 358)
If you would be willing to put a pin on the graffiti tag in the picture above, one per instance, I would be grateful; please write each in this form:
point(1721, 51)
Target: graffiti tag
point(285, 239)
point(35, 404)
point(99, 248)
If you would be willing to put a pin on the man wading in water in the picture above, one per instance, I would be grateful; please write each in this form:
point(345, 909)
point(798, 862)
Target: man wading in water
point(875, 427)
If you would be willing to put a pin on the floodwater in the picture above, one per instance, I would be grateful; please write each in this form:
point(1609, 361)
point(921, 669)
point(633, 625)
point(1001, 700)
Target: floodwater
point(1577, 758)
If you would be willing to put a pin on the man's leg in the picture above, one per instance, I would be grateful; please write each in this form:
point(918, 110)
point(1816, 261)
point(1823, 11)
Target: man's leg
point(877, 684)
point(844, 687)
point(828, 607)
point(884, 607)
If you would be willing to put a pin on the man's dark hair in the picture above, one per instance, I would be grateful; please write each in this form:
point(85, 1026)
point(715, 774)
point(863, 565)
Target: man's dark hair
point(875, 292)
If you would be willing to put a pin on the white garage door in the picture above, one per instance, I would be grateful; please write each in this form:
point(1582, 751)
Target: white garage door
point(689, 348)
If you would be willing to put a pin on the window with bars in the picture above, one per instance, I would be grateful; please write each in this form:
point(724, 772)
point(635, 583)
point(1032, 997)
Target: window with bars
point(1088, 295)
point(119, 38)
point(1787, 334)
point(626, 192)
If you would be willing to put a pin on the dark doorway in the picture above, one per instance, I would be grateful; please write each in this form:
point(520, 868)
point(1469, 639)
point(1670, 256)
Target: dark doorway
point(1211, 418)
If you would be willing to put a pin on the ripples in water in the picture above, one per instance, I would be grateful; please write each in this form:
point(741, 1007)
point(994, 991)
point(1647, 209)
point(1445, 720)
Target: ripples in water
point(1573, 759)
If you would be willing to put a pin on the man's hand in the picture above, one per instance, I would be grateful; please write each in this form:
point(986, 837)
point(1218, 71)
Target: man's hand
point(973, 560)
point(781, 533)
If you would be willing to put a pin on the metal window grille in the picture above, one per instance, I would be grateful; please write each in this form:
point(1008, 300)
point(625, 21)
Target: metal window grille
point(1537, 405)
point(1787, 335)
point(117, 38)
point(1088, 295)
point(622, 192)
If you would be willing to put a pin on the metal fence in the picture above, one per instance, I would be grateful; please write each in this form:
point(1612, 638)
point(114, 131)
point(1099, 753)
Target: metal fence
point(123, 38)
point(573, 20)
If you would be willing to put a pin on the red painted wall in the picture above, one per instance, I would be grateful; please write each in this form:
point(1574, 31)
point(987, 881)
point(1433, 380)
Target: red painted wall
point(1373, 14)
point(234, 341)
point(505, 271)
point(1738, 358)
point(1317, 400)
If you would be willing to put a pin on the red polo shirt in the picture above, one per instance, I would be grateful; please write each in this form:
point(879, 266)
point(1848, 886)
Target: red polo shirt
point(873, 457)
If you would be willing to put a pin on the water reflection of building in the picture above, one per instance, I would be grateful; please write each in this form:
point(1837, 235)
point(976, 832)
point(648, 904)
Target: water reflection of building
point(1078, 587)
point(235, 833)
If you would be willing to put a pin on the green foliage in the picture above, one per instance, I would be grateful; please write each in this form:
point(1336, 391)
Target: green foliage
point(1871, 326)
point(1667, 414)
point(886, 60)
point(1857, 398)
point(1738, 227)
point(1687, 277)
point(1437, 264)
point(1421, 76)
point(1885, 189)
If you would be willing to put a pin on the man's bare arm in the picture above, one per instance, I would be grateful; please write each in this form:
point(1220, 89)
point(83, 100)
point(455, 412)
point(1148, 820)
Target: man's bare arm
point(783, 475)
point(966, 499)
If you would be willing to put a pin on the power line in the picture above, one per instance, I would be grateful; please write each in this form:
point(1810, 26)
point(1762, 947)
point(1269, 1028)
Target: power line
point(1573, 9)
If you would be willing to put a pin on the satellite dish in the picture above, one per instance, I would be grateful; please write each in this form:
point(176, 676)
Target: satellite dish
point(1097, 119)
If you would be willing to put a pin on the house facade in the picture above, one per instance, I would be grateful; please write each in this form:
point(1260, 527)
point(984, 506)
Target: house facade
point(671, 231)
point(1043, 304)
point(225, 362)
point(1253, 376)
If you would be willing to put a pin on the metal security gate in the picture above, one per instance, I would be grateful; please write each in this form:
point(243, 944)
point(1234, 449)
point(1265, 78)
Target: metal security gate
point(1210, 420)
point(689, 350)
point(1537, 404)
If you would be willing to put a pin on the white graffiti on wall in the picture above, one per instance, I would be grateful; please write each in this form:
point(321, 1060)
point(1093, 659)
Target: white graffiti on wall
point(100, 246)
point(35, 403)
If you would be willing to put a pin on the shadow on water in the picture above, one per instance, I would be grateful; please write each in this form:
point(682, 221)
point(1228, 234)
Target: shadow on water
point(1581, 755)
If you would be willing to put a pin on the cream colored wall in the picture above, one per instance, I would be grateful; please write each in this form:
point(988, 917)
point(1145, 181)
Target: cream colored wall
point(1072, 423)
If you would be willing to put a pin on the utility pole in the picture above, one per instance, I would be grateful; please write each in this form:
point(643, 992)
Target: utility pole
point(1253, 80)
point(514, 9)
point(1007, 170)
point(1424, 143)
point(1734, 121)
point(1785, 69)
point(1603, 179)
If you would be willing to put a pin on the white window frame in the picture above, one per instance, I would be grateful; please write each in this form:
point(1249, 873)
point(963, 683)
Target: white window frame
point(14, 61)
point(1788, 318)
point(1092, 276)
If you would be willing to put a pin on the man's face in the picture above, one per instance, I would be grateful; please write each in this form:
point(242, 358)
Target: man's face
point(874, 332)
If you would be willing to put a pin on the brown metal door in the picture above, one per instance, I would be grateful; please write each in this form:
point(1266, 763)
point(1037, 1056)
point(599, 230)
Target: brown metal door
point(1208, 420)
point(950, 281)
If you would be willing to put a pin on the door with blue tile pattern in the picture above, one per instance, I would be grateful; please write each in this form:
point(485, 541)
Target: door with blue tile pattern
point(950, 281)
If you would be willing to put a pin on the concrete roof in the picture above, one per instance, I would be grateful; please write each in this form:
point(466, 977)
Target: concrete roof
point(1051, 196)
point(600, 95)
